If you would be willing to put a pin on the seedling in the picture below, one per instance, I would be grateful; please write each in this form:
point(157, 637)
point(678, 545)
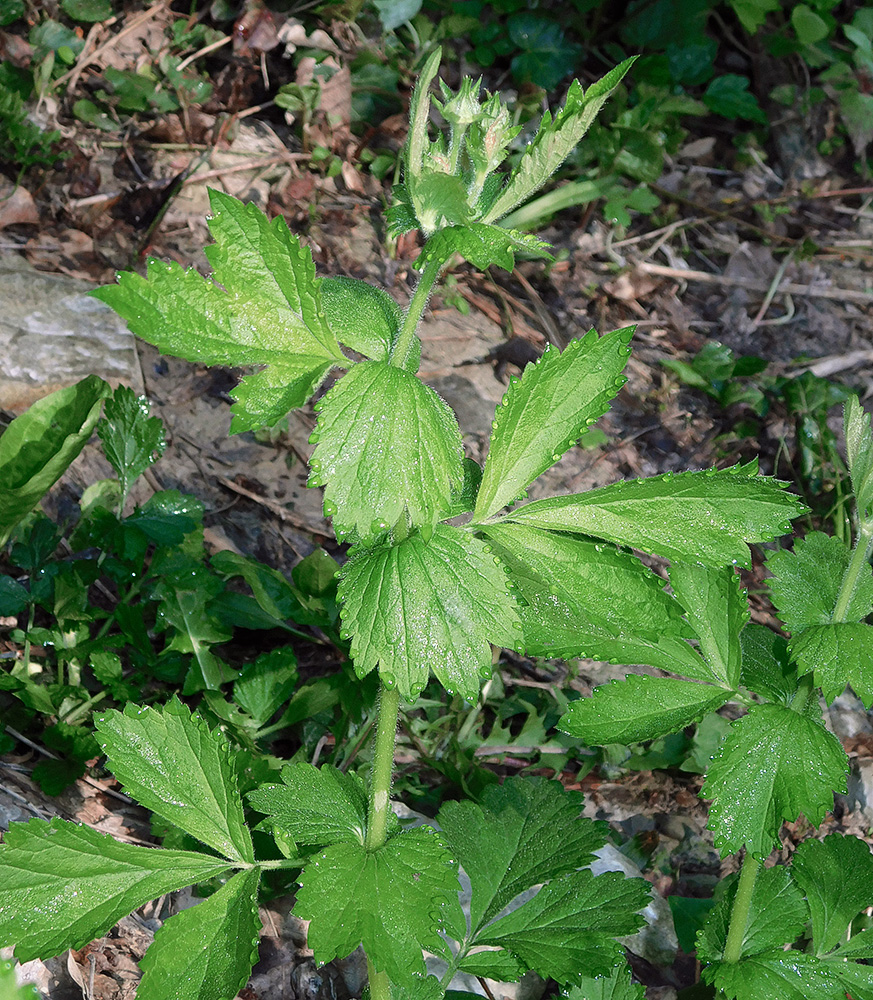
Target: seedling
point(446, 563)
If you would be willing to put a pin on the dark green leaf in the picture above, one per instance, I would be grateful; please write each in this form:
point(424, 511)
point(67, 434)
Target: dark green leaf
point(728, 95)
point(766, 665)
point(13, 597)
point(168, 516)
point(839, 654)
point(776, 975)
point(266, 683)
point(87, 10)
point(500, 965)
point(616, 985)
point(132, 440)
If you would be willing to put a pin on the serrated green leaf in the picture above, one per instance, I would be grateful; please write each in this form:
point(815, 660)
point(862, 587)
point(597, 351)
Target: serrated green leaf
point(208, 950)
point(717, 608)
point(176, 766)
point(63, 884)
point(419, 109)
point(555, 140)
point(776, 975)
point(640, 708)
point(839, 654)
point(774, 765)
point(361, 316)
point(387, 445)
point(37, 447)
point(389, 900)
point(570, 925)
point(500, 965)
point(855, 979)
point(261, 308)
point(428, 606)
point(420, 988)
point(706, 516)
point(777, 914)
point(266, 683)
point(132, 440)
point(860, 945)
point(614, 986)
point(837, 876)
point(766, 666)
point(168, 516)
point(859, 450)
point(315, 805)
point(807, 582)
point(545, 412)
point(481, 245)
point(525, 832)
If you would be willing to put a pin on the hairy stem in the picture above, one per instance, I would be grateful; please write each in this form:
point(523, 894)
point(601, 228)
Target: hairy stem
point(380, 803)
point(733, 948)
point(852, 576)
point(403, 345)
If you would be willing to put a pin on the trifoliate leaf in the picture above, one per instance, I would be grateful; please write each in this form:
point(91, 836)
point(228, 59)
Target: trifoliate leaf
point(546, 411)
point(261, 308)
point(208, 950)
point(525, 832)
point(766, 666)
point(839, 654)
point(555, 140)
point(777, 915)
point(774, 765)
point(132, 440)
point(62, 884)
point(859, 450)
point(705, 517)
point(640, 708)
point(428, 606)
point(837, 876)
point(266, 683)
point(315, 805)
point(361, 316)
point(614, 986)
point(717, 608)
point(776, 975)
point(481, 245)
point(176, 766)
point(808, 580)
point(571, 924)
point(389, 900)
point(387, 446)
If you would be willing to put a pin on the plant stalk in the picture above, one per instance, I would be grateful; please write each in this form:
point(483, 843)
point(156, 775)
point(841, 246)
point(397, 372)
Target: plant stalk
point(852, 576)
point(733, 948)
point(380, 803)
point(403, 345)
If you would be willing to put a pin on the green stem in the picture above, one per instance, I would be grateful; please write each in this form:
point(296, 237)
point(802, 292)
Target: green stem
point(403, 345)
point(733, 948)
point(380, 804)
point(852, 576)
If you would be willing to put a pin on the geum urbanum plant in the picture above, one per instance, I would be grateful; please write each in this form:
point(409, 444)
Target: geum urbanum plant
point(445, 564)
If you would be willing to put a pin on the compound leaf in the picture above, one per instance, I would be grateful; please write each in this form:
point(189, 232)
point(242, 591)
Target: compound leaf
point(571, 924)
point(774, 765)
point(525, 832)
point(132, 440)
point(421, 606)
point(837, 876)
point(175, 765)
point(776, 975)
point(62, 884)
point(839, 654)
point(208, 950)
point(640, 708)
point(545, 412)
point(389, 900)
point(706, 516)
point(261, 308)
point(315, 805)
point(481, 245)
point(388, 446)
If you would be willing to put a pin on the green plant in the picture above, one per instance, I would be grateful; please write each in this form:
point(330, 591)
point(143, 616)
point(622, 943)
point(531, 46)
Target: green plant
point(23, 143)
point(444, 563)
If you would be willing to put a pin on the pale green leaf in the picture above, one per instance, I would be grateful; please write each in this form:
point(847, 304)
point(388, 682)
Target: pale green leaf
point(419, 112)
point(428, 606)
point(774, 765)
point(206, 951)
point(555, 140)
point(525, 832)
point(261, 308)
point(640, 708)
point(776, 975)
point(388, 446)
point(569, 927)
point(388, 900)
point(481, 245)
point(614, 986)
point(859, 450)
point(839, 654)
point(179, 768)
point(777, 915)
point(766, 666)
point(706, 516)
point(717, 608)
point(546, 411)
point(807, 582)
point(315, 805)
point(9, 988)
point(837, 876)
point(37, 447)
point(361, 316)
point(63, 884)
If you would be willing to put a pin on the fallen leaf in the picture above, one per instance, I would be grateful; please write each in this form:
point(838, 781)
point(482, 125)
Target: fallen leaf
point(16, 205)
